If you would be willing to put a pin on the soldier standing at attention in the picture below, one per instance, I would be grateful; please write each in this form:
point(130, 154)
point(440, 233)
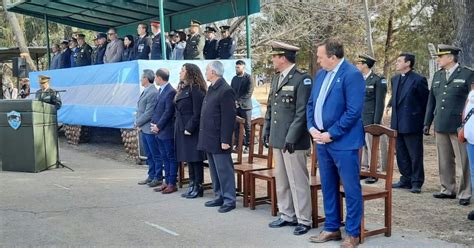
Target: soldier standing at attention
point(285, 130)
point(210, 48)
point(195, 43)
point(84, 51)
point(46, 94)
point(448, 93)
point(156, 52)
point(142, 43)
point(374, 103)
point(101, 48)
point(225, 47)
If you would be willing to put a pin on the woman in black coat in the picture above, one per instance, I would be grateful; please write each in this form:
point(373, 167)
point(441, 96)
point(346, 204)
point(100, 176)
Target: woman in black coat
point(128, 45)
point(189, 98)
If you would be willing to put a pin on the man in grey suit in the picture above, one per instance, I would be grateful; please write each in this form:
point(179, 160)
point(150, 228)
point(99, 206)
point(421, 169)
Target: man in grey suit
point(114, 50)
point(146, 104)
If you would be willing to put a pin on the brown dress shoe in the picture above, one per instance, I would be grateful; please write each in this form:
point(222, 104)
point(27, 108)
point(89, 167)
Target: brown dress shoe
point(170, 189)
point(350, 242)
point(161, 187)
point(325, 236)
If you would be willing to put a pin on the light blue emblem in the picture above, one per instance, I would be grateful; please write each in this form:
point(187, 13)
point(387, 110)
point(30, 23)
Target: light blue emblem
point(307, 81)
point(14, 119)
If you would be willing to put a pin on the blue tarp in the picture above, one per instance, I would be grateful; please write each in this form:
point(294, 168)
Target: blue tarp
point(106, 95)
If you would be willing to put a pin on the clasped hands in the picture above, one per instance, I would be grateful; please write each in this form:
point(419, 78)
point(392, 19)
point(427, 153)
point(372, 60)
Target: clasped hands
point(154, 128)
point(319, 137)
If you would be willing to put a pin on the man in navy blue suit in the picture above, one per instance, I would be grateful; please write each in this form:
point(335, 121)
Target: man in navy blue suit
point(334, 116)
point(162, 125)
point(408, 104)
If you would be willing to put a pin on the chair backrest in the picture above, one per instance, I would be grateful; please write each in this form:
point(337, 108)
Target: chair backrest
point(256, 126)
point(240, 122)
point(377, 131)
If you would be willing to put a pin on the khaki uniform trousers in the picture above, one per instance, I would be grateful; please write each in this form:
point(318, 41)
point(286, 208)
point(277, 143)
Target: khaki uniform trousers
point(292, 186)
point(452, 157)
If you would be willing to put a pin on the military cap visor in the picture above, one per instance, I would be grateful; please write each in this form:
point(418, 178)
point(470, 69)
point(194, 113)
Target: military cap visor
point(155, 24)
point(43, 79)
point(210, 30)
point(81, 36)
point(224, 28)
point(366, 59)
point(447, 49)
point(195, 23)
point(101, 35)
point(280, 48)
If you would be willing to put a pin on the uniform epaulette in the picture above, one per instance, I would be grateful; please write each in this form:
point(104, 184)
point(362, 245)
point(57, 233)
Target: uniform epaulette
point(469, 68)
point(300, 70)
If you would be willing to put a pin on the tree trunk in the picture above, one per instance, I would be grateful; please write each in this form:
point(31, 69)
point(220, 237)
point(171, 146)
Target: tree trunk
point(67, 32)
point(388, 45)
point(19, 37)
point(368, 29)
point(464, 13)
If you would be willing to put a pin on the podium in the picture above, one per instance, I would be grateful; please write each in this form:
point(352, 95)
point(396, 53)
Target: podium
point(28, 135)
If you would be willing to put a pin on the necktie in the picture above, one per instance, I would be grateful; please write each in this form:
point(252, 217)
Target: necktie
point(159, 91)
point(280, 80)
point(318, 111)
point(447, 75)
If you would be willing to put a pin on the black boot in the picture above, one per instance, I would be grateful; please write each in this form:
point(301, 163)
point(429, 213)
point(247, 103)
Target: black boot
point(198, 180)
point(191, 181)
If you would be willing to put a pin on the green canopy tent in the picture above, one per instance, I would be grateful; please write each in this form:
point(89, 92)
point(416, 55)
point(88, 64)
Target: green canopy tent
point(124, 15)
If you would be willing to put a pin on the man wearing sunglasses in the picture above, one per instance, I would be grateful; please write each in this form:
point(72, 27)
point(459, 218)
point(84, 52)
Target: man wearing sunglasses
point(113, 52)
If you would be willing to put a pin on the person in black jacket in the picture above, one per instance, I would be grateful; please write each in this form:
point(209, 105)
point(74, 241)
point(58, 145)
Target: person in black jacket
point(142, 47)
point(128, 45)
point(102, 41)
point(210, 46)
point(215, 136)
point(189, 98)
point(65, 60)
point(408, 104)
point(242, 84)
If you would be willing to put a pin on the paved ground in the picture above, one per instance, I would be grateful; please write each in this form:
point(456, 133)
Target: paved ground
point(100, 205)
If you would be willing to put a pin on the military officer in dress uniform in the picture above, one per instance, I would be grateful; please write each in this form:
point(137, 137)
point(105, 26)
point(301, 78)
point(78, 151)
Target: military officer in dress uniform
point(285, 131)
point(195, 43)
point(210, 48)
point(374, 102)
point(46, 94)
point(156, 52)
point(142, 47)
point(449, 90)
point(84, 51)
point(226, 46)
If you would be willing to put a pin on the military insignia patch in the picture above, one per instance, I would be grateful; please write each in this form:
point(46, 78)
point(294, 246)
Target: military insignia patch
point(383, 81)
point(307, 81)
point(14, 119)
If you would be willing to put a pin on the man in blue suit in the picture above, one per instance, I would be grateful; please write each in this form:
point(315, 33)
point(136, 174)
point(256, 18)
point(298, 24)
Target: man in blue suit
point(163, 127)
point(408, 104)
point(334, 116)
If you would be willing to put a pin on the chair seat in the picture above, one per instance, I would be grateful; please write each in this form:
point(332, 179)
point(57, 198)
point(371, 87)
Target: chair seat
point(244, 167)
point(269, 173)
point(369, 192)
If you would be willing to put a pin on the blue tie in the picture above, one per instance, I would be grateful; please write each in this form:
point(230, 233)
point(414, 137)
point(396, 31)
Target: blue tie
point(318, 111)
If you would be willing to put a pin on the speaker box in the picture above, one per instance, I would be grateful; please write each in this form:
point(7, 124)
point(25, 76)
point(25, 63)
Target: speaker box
point(20, 69)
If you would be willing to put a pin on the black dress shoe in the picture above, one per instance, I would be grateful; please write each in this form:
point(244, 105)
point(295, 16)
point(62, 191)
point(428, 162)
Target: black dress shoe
point(371, 180)
point(464, 202)
point(146, 181)
point(470, 216)
point(301, 229)
point(214, 203)
point(189, 190)
point(155, 183)
point(281, 223)
point(401, 185)
point(226, 208)
point(440, 195)
point(415, 190)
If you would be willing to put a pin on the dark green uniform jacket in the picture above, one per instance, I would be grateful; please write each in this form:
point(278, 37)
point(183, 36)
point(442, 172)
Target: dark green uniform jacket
point(49, 96)
point(194, 47)
point(285, 120)
point(447, 98)
point(374, 103)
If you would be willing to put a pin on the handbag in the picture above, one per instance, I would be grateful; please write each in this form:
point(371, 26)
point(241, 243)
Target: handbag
point(460, 129)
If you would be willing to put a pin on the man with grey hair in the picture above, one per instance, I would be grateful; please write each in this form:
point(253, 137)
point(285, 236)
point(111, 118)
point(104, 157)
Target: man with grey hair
point(215, 136)
point(146, 104)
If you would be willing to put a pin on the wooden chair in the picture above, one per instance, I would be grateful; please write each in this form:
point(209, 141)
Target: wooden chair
point(372, 192)
point(315, 186)
point(269, 176)
point(182, 179)
point(261, 163)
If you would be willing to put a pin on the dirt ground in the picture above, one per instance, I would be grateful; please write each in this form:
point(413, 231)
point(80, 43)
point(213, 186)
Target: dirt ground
point(412, 213)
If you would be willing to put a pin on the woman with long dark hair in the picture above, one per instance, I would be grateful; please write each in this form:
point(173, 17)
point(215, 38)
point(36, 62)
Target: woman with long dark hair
point(191, 91)
point(128, 44)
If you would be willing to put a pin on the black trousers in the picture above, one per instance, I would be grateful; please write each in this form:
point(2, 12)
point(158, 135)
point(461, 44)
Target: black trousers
point(246, 114)
point(196, 172)
point(410, 159)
